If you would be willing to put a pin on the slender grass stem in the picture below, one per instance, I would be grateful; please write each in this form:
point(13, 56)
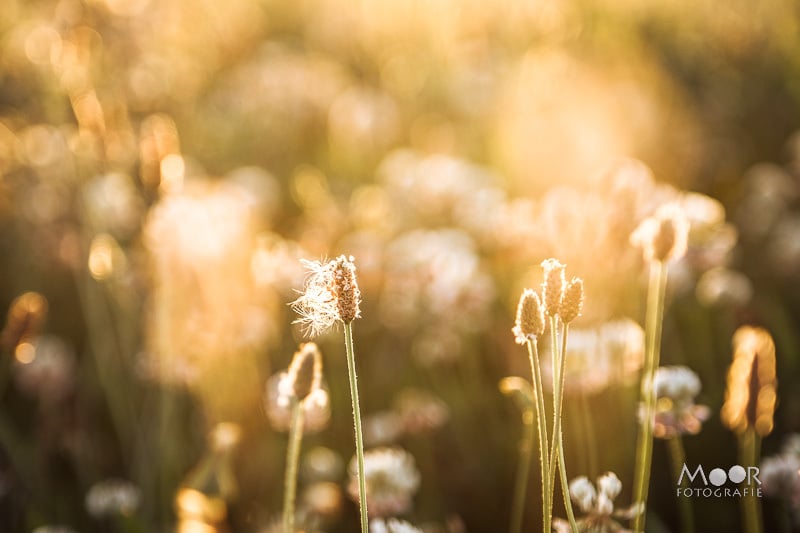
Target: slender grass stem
point(749, 451)
point(292, 459)
point(678, 457)
point(523, 472)
point(644, 447)
point(551, 481)
point(362, 481)
point(544, 459)
point(557, 446)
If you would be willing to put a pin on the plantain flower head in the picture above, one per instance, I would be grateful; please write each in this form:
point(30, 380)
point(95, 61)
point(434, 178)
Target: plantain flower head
point(572, 302)
point(553, 286)
point(751, 394)
point(664, 236)
point(304, 376)
point(331, 294)
point(530, 317)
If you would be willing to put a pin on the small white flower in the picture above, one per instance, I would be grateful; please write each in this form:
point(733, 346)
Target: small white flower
point(676, 411)
point(392, 525)
point(597, 505)
point(604, 506)
point(112, 497)
point(392, 479)
point(609, 485)
point(582, 492)
point(677, 383)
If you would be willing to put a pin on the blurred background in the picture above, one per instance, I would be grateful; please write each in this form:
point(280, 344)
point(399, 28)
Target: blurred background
point(165, 164)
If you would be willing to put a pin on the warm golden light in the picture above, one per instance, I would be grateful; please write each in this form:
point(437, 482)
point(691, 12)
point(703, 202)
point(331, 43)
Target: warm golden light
point(101, 257)
point(193, 505)
point(175, 174)
point(26, 316)
point(25, 352)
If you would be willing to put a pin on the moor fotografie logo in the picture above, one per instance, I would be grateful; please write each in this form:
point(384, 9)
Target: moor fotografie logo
point(737, 482)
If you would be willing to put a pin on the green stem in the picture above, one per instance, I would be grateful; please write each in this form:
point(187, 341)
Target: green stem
point(589, 433)
point(292, 459)
point(362, 482)
point(644, 447)
point(523, 472)
point(749, 451)
point(557, 446)
point(544, 454)
point(678, 456)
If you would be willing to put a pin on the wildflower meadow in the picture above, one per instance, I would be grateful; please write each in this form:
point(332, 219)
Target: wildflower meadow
point(386, 266)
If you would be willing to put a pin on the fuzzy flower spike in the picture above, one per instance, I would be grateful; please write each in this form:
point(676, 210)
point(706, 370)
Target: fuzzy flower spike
point(553, 286)
point(331, 294)
point(572, 302)
point(296, 386)
point(529, 325)
point(530, 317)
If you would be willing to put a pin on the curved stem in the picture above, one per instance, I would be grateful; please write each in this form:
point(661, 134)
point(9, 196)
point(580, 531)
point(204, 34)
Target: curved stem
point(544, 454)
point(557, 446)
point(292, 459)
point(644, 447)
point(362, 482)
point(678, 456)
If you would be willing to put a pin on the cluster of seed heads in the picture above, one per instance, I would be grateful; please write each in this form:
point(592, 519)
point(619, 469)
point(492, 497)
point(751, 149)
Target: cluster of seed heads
point(559, 299)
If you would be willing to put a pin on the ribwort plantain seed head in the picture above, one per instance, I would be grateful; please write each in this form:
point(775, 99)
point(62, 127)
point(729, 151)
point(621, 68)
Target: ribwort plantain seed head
point(305, 371)
point(530, 321)
point(664, 236)
point(345, 289)
point(553, 286)
point(751, 393)
point(572, 302)
point(331, 294)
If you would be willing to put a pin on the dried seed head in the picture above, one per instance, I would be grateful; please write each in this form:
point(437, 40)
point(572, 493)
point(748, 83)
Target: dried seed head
point(664, 240)
point(331, 293)
point(305, 372)
point(572, 302)
point(530, 317)
point(316, 305)
point(553, 286)
point(277, 404)
point(345, 289)
point(751, 392)
point(664, 236)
